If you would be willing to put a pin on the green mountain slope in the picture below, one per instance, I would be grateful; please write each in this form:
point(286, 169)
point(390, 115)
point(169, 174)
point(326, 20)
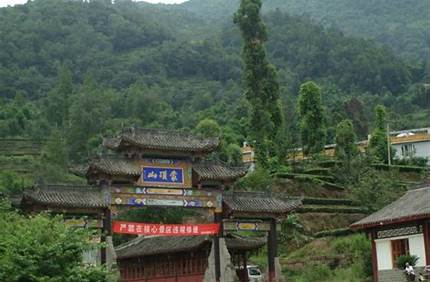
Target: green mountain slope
point(165, 66)
point(400, 25)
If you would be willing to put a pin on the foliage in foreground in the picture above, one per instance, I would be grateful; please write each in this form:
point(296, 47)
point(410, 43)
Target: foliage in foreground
point(41, 248)
point(402, 260)
point(357, 250)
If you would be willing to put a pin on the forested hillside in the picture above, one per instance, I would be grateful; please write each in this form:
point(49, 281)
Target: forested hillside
point(94, 67)
point(400, 25)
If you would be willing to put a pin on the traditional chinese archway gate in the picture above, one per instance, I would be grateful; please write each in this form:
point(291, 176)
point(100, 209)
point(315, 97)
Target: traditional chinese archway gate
point(160, 168)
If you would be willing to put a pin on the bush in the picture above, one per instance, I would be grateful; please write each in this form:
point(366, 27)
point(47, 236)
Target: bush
point(402, 260)
point(42, 248)
point(413, 161)
point(258, 180)
point(360, 247)
point(315, 273)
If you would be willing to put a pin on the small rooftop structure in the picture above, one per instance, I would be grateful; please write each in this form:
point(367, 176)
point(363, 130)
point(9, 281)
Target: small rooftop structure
point(159, 139)
point(257, 205)
point(415, 204)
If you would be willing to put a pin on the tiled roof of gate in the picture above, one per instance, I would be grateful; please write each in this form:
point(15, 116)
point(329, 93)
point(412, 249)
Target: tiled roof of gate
point(66, 196)
point(218, 171)
point(160, 139)
point(255, 203)
point(146, 246)
point(116, 167)
point(156, 245)
point(412, 205)
point(128, 167)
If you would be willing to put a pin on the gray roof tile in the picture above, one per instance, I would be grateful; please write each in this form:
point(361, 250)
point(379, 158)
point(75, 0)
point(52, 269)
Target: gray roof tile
point(159, 139)
point(413, 204)
point(218, 171)
point(66, 196)
point(255, 203)
point(157, 245)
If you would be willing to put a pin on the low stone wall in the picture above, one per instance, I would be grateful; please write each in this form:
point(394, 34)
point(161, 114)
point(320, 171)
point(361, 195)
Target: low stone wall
point(392, 275)
point(396, 275)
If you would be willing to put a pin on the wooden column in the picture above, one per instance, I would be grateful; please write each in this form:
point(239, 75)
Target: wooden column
point(217, 219)
point(373, 255)
point(426, 231)
point(103, 239)
point(272, 250)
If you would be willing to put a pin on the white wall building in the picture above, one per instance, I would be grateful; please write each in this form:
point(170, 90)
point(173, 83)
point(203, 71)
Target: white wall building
point(411, 143)
point(401, 228)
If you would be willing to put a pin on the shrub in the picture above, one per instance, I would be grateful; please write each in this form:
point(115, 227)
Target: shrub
point(402, 260)
point(258, 180)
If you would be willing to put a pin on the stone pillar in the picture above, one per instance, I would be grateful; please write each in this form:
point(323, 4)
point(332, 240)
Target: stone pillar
point(278, 273)
point(111, 256)
point(272, 250)
point(227, 269)
point(216, 244)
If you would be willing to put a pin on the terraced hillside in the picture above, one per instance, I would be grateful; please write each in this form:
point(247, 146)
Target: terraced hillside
point(19, 154)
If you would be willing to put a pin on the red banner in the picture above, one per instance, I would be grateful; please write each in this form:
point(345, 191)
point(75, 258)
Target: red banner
point(136, 228)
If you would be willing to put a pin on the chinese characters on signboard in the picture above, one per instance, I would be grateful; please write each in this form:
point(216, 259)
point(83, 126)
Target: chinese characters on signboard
point(179, 197)
point(165, 229)
point(162, 175)
point(165, 173)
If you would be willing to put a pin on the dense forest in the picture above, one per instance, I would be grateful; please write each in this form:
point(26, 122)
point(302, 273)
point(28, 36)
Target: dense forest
point(93, 67)
point(401, 26)
point(301, 74)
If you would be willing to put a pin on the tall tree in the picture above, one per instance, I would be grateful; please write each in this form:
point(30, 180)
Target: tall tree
point(312, 119)
point(54, 161)
point(262, 89)
point(57, 101)
point(378, 145)
point(345, 139)
point(88, 115)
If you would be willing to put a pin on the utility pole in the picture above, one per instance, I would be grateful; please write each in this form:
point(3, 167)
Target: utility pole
point(389, 143)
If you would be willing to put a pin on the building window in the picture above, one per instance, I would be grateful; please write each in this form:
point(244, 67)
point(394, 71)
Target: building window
point(408, 150)
point(399, 248)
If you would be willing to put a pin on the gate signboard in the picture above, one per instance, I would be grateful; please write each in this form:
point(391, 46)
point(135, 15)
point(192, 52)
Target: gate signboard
point(247, 225)
point(137, 228)
point(167, 197)
point(165, 173)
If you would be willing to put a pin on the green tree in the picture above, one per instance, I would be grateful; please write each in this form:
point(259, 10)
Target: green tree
point(11, 183)
point(88, 114)
point(261, 86)
point(57, 101)
point(234, 154)
point(208, 128)
point(54, 162)
point(378, 145)
point(311, 118)
point(41, 248)
point(55, 150)
point(376, 189)
point(345, 139)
